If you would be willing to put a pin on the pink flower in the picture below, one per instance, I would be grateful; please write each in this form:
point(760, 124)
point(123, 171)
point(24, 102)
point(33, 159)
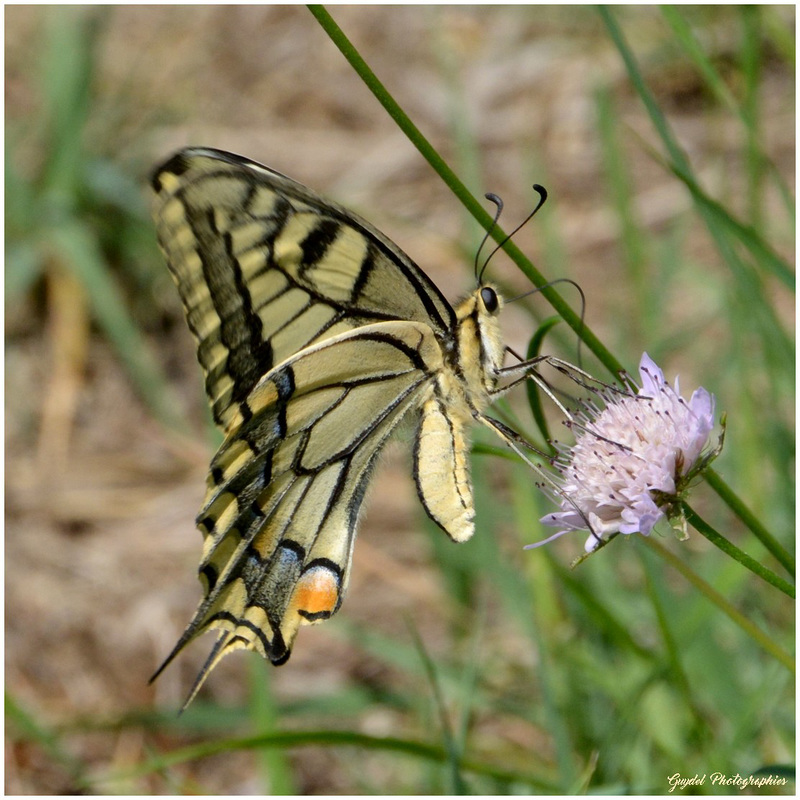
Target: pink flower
point(632, 458)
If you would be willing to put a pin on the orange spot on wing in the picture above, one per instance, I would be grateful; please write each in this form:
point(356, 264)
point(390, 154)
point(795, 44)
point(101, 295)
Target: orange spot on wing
point(317, 592)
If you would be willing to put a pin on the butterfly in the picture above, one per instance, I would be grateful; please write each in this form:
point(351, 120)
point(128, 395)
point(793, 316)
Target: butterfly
point(317, 335)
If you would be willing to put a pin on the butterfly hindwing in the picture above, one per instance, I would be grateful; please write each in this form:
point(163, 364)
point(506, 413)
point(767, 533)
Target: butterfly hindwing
point(286, 486)
point(265, 267)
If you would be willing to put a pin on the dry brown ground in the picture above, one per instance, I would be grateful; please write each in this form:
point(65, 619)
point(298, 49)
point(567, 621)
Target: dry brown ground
point(100, 545)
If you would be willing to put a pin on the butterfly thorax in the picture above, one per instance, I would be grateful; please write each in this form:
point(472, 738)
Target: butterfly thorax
point(479, 344)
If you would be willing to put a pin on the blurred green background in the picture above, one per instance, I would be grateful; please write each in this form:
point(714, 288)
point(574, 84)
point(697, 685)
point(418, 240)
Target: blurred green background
point(480, 668)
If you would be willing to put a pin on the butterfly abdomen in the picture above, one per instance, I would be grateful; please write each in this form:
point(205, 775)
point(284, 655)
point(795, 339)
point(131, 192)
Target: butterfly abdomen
point(441, 467)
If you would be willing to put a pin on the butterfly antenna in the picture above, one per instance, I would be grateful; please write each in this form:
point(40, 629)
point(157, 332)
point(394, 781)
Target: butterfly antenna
point(498, 211)
point(542, 192)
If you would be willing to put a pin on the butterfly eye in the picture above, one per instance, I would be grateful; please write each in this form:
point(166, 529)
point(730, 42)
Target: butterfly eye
point(489, 297)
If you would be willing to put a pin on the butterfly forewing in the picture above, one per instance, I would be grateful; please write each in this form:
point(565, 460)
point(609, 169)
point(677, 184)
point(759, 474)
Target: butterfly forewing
point(265, 267)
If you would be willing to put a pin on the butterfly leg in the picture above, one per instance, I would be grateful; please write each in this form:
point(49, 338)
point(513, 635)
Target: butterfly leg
point(516, 442)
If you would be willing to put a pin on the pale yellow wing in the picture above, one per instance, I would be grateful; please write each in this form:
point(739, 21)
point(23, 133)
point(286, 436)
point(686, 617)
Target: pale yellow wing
point(265, 267)
point(285, 487)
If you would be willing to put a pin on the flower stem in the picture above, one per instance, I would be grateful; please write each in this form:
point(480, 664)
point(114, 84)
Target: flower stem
point(441, 167)
point(745, 560)
point(736, 616)
point(733, 502)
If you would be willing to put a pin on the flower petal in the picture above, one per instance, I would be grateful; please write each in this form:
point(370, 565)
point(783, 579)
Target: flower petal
point(630, 449)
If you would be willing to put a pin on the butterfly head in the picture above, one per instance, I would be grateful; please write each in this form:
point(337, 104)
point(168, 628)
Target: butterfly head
point(479, 341)
point(490, 300)
point(483, 305)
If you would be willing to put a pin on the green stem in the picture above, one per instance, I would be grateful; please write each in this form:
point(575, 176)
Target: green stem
point(331, 738)
point(699, 524)
point(755, 633)
point(472, 205)
point(750, 520)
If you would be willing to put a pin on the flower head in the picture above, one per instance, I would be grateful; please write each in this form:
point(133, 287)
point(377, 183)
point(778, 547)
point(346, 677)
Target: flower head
point(631, 459)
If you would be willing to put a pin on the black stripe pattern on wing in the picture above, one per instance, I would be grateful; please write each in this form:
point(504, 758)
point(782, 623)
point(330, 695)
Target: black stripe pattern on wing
point(286, 487)
point(265, 268)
